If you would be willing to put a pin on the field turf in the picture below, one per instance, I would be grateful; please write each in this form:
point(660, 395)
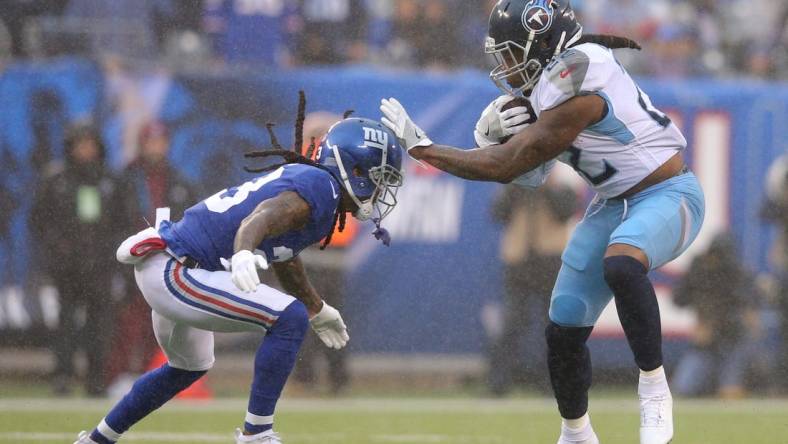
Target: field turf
point(381, 420)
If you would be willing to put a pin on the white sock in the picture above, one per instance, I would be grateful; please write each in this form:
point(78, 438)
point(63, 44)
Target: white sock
point(577, 429)
point(577, 424)
point(653, 382)
point(107, 431)
point(659, 371)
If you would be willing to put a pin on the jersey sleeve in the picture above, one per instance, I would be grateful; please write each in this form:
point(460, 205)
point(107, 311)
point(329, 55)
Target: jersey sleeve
point(319, 189)
point(578, 71)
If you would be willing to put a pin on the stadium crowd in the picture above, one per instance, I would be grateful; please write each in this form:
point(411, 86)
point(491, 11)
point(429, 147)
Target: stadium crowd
point(680, 37)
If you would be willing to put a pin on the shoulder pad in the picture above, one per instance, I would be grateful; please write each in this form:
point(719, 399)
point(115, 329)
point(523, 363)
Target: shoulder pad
point(581, 70)
point(568, 71)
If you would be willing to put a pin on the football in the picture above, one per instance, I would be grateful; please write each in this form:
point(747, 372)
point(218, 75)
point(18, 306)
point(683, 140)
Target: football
point(514, 103)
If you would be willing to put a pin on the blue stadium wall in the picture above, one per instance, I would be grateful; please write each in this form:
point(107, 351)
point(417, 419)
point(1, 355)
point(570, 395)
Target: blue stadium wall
point(425, 293)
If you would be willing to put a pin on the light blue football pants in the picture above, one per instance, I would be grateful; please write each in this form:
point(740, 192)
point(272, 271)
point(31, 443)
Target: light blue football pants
point(661, 220)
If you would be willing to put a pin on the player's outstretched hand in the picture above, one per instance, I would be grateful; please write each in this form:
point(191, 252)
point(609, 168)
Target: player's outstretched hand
point(243, 266)
point(396, 118)
point(330, 327)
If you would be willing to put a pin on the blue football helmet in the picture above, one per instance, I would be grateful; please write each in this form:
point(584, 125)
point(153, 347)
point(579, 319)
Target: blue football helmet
point(367, 159)
point(524, 36)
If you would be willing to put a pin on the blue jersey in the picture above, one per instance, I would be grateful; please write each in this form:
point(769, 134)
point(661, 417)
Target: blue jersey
point(207, 231)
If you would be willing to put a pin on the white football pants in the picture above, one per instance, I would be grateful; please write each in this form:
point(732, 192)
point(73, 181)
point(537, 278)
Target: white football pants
point(190, 304)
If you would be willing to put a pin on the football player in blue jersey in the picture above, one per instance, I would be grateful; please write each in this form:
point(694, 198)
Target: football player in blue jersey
point(576, 104)
point(181, 270)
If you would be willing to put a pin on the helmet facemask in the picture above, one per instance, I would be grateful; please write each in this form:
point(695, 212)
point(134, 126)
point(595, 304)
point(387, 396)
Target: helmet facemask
point(523, 65)
point(386, 180)
point(514, 75)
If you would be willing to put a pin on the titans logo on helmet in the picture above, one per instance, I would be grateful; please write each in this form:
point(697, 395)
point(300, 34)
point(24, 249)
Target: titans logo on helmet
point(538, 16)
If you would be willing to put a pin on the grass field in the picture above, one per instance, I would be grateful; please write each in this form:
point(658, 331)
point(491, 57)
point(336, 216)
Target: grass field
point(369, 421)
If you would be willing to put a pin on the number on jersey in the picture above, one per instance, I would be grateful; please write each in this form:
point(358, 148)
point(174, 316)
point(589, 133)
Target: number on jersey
point(230, 197)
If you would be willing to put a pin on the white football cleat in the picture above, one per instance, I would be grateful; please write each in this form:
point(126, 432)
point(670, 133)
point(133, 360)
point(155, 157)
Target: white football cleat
point(267, 437)
point(84, 438)
point(656, 418)
point(586, 436)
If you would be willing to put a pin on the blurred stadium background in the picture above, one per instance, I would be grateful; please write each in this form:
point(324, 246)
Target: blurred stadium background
point(425, 315)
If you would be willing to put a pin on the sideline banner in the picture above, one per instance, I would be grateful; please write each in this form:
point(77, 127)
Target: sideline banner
point(427, 291)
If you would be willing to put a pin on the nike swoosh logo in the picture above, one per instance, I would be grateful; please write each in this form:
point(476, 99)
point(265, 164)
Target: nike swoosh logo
point(418, 136)
point(487, 133)
point(333, 191)
point(566, 72)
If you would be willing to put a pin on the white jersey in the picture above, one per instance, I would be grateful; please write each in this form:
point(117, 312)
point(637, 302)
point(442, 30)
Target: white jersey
point(630, 142)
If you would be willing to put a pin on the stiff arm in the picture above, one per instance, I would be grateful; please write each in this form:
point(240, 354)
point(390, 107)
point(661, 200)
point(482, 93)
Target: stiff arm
point(552, 134)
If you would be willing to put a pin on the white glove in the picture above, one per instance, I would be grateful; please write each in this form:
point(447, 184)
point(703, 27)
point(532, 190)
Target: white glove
point(488, 130)
point(330, 327)
point(396, 118)
point(243, 266)
point(494, 125)
point(515, 120)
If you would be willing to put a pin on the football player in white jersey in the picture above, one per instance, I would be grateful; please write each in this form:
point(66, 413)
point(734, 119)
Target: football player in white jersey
point(648, 208)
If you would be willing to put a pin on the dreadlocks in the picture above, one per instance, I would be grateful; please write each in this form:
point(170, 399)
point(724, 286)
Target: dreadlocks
point(609, 41)
point(298, 156)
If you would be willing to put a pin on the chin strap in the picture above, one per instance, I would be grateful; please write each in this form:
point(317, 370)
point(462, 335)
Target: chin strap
point(381, 233)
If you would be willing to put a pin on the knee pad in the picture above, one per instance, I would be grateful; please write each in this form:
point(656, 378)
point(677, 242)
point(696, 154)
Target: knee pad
point(186, 348)
point(566, 338)
point(619, 270)
point(292, 323)
point(570, 309)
